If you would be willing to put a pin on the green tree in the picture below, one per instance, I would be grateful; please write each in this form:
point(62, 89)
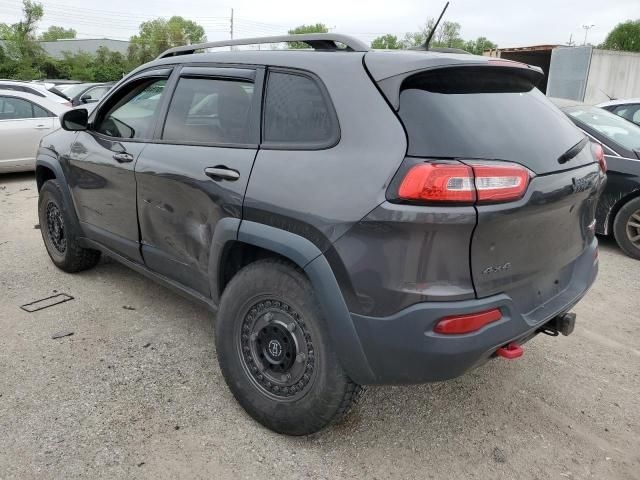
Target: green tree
point(317, 28)
point(109, 65)
point(386, 42)
point(20, 46)
point(413, 39)
point(447, 35)
point(625, 36)
point(479, 45)
point(57, 33)
point(20, 38)
point(158, 35)
point(77, 66)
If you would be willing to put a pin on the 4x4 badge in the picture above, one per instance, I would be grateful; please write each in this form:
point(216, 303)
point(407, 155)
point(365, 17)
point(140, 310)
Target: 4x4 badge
point(497, 268)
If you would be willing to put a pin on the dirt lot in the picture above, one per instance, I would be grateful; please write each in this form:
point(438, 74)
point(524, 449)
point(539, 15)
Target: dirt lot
point(136, 391)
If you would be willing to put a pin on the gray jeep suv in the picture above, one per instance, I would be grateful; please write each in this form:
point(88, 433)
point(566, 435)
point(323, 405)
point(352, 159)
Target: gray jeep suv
point(354, 217)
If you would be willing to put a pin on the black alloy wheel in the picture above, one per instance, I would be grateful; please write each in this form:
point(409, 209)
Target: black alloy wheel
point(276, 349)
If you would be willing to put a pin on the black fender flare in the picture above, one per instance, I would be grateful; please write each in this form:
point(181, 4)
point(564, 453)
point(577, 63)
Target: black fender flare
point(53, 164)
point(310, 259)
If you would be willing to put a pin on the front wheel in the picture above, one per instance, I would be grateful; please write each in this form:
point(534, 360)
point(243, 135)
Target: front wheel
point(59, 233)
point(626, 228)
point(275, 353)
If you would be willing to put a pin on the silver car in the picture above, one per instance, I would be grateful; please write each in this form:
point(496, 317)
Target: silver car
point(37, 89)
point(24, 119)
point(628, 109)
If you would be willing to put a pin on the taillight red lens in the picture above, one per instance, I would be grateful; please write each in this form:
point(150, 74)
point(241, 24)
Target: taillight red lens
point(449, 182)
point(598, 152)
point(471, 322)
point(438, 182)
point(499, 183)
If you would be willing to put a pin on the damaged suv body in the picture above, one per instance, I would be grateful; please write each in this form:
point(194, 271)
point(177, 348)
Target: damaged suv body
point(354, 217)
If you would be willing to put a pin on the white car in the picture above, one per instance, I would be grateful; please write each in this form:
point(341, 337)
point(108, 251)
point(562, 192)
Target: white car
point(34, 89)
point(629, 109)
point(24, 119)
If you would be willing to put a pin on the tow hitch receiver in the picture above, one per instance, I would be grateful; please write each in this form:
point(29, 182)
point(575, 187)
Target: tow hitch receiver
point(510, 352)
point(563, 324)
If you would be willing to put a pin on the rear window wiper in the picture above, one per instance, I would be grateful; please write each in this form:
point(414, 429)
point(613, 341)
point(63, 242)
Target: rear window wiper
point(573, 151)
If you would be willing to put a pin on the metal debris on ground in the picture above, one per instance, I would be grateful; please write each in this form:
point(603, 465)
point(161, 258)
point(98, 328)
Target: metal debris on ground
point(128, 307)
point(67, 333)
point(46, 302)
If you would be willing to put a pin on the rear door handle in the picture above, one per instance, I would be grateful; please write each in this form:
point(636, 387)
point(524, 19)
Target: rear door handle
point(123, 157)
point(222, 173)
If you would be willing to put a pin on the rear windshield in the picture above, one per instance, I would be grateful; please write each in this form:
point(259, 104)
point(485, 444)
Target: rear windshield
point(612, 126)
point(484, 112)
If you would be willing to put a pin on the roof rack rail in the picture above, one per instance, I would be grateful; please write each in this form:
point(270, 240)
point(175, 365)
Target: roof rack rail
point(317, 41)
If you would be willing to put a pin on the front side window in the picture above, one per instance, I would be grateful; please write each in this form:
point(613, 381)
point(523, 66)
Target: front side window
point(135, 111)
point(207, 110)
point(296, 113)
point(12, 108)
point(96, 93)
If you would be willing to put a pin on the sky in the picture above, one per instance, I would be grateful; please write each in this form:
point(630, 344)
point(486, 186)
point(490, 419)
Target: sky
point(509, 23)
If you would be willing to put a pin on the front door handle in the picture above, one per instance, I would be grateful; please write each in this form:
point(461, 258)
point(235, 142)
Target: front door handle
point(222, 173)
point(41, 127)
point(123, 157)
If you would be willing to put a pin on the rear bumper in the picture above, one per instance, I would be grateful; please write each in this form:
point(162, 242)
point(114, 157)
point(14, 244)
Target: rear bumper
point(403, 348)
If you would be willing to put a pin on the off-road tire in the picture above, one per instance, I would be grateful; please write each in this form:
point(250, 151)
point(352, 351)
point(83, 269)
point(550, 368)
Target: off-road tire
point(63, 248)
point(279, 292)
point(623, 226)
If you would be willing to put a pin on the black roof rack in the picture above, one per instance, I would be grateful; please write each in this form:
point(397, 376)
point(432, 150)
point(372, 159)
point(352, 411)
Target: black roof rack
point(317, 41)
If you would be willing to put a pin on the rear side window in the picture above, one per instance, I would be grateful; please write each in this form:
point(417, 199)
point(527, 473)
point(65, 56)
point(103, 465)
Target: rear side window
point(207, 110)
point(486, 113)
point(298, 113)
point(39, 112)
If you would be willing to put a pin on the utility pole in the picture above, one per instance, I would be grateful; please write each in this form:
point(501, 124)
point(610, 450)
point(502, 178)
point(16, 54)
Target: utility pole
point(571, 43)
point(231, 29)
point(586, 31)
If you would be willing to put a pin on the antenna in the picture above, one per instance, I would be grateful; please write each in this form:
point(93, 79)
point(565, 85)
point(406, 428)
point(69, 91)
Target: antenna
point(607, 95)
point(434, 28)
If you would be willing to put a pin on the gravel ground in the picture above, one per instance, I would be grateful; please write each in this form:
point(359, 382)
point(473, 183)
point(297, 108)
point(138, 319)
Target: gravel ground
point(136, 392)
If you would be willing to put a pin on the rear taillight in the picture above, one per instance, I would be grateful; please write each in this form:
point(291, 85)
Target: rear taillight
point(458, 182)
point(440, 182)
point(598, 153)
point(458, 324)
point(500, 183)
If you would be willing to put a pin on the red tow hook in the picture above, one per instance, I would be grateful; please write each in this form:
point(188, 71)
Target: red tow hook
point(510, 352)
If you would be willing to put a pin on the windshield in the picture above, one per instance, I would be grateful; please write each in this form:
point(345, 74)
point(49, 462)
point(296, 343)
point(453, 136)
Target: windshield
point(608, 124)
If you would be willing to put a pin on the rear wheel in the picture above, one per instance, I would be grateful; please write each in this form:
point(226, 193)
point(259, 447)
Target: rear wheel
point(626, 228)
point(59, 232)
point(275, 354)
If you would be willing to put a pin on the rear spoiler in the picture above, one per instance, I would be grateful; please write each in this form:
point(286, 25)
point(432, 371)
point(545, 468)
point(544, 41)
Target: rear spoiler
point(525, 74)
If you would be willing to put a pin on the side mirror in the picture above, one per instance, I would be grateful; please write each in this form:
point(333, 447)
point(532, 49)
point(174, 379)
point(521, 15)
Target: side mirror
point(75, 120)
point(87, 98)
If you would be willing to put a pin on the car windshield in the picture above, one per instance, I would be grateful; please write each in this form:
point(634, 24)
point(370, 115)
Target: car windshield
point(608, 124)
